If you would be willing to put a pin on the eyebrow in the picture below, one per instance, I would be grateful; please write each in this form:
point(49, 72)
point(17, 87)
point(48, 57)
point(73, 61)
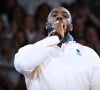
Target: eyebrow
point(54, 12)
point(62, 12)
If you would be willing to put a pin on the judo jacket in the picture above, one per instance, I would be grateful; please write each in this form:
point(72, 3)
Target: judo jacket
point(47, 66)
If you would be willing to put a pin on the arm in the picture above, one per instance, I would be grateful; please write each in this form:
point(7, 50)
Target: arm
point(95, 77)
point(30, 56)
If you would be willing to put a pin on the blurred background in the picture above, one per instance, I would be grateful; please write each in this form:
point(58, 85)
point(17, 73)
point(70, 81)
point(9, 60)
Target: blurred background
point(23, 22)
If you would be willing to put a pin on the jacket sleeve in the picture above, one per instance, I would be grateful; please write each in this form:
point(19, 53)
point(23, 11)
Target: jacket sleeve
point(30, 56)
point(95, 77)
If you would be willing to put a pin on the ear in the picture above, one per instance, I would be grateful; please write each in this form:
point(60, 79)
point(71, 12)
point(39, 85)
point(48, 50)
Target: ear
point(71, 27)
point(46, 25)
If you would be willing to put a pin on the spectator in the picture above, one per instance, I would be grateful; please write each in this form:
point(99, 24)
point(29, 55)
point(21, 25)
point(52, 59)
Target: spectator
point(29, 28)
point(92, 38)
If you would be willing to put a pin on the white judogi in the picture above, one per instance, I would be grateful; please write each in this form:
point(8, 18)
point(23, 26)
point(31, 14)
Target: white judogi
point(46, 66)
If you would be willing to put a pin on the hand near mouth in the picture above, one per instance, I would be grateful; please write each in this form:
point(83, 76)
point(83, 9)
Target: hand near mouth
point(60, 28)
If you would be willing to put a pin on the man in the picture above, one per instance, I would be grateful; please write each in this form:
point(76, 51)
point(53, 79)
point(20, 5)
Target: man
point(57, 62)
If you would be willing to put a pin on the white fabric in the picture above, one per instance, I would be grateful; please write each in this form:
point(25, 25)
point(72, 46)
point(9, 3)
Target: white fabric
point(49, 67)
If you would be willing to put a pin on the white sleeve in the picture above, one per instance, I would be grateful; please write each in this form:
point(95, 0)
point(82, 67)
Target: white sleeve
point(30, 56)
point(95, 77)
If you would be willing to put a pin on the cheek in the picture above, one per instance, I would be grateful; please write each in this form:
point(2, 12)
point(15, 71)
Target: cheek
point(68, 21)
point(51, 20)
point(65, 21)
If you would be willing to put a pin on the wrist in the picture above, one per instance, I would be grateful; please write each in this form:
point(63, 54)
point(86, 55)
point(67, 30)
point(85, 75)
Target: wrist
point(53, 33)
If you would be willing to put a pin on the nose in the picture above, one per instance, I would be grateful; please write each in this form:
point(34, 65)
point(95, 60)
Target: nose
point(59, 17)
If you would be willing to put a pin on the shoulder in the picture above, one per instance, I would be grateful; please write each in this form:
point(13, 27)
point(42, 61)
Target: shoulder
point(25, 47)
point(85, 48)
point(88, 52)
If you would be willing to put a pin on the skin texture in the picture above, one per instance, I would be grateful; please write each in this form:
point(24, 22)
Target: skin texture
point(64, 19)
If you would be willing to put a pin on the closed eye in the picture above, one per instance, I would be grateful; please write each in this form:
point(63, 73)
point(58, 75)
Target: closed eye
point(54, 13)
point(65, 15)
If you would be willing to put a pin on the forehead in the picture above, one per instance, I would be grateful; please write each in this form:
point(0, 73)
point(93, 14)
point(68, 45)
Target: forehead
point(60, 9)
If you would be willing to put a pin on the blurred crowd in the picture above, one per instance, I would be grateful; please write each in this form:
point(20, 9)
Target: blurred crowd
point(18, 28)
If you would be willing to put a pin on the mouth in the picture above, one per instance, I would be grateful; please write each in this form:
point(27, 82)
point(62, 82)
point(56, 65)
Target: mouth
point(63, 26)
point(55, 23)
